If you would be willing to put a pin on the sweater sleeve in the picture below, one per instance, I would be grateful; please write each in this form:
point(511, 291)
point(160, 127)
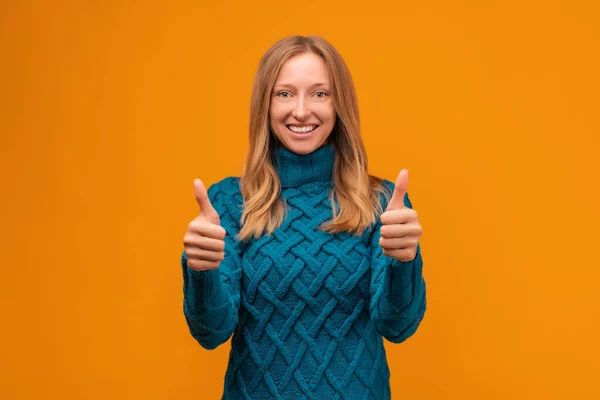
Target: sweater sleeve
point(397, 288)
point(211, 298)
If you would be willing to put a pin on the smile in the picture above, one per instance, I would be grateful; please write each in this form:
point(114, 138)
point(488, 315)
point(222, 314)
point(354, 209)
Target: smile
point(302, 129)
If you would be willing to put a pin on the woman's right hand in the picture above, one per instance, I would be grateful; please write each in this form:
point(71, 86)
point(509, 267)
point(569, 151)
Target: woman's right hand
point(204, 239)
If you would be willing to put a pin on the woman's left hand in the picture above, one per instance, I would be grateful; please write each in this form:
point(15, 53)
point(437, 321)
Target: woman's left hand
point(400, 230)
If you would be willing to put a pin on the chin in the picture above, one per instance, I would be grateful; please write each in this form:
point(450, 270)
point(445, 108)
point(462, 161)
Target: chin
point(300, 145)
point(304, 148)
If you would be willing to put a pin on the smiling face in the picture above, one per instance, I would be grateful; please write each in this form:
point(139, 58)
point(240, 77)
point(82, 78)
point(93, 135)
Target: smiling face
point(302, 113)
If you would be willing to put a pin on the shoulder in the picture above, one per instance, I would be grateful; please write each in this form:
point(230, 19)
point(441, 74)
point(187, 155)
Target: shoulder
point(226, 196)
point(229, 186)
point(384, 188)
point(391, 185)
point(389, 188)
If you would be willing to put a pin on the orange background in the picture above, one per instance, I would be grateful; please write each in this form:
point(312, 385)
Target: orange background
point(111, 109)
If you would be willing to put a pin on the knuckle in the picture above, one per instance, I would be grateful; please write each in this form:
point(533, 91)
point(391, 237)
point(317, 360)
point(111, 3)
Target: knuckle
point(187, 239)
point(201, 241)
point(212, 265)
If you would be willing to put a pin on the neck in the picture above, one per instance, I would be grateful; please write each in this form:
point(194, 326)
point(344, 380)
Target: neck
point(299, 169)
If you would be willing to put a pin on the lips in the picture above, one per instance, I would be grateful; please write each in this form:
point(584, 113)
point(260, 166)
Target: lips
point(302, 129)
point(303, 135)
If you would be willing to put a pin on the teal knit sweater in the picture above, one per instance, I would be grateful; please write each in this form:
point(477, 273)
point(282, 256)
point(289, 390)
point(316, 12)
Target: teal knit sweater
point(307, 309)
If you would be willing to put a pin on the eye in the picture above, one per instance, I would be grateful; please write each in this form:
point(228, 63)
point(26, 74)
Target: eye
point(323, 94)
point(284, 95)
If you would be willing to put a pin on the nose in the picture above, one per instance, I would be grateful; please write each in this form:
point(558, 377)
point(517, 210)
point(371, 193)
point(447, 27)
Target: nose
point(301, 110)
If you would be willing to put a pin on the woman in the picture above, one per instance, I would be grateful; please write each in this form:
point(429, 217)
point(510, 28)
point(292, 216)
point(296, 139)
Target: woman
point(305, 259)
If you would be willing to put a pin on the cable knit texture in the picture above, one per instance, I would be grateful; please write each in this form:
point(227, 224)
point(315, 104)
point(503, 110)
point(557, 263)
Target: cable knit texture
point(307, 309)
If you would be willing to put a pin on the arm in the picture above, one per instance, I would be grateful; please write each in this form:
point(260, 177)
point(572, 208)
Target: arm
point(398, 300)
point(212, 297)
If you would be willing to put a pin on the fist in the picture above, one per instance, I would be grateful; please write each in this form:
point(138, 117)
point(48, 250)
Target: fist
point(400, 228)
point(204, 239)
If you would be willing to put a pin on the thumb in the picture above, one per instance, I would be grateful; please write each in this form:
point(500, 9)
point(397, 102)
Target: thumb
point(397, 200)
point(206, 208)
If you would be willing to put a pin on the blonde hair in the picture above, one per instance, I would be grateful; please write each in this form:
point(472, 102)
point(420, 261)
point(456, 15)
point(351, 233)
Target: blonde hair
point(356, 191)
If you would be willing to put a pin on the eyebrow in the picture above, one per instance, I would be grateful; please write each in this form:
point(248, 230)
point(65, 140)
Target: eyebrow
point(289, 85)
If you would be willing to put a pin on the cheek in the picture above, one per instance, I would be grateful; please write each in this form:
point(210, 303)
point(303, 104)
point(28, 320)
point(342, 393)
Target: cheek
point(276, 113)
point(328, 114)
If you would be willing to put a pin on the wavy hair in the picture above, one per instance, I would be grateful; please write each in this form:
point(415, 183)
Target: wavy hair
point(357, 193)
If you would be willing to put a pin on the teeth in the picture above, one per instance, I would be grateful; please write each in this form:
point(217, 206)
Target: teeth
point(303, 129)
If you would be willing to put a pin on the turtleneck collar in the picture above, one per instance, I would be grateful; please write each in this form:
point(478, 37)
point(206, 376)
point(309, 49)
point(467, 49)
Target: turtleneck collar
point(298, 169)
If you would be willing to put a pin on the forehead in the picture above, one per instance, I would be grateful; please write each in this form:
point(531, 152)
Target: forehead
point(303, 68)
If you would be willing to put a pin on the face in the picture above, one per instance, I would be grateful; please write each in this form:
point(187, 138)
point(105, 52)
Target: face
point(302, 113)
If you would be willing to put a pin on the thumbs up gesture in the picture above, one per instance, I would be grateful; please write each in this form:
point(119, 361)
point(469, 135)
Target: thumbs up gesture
point(204, 239)
point(400, 228)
